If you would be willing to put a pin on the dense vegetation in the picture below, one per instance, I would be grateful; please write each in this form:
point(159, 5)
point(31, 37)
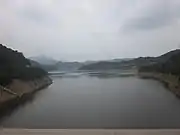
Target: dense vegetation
point(104, 65)
point(124, 64)
point(169, 66)
point(14, 65)
point(168, 63)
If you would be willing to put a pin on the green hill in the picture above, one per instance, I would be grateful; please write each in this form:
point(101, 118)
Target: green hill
point(13, 65)
point(166, 63)
point(170, 64)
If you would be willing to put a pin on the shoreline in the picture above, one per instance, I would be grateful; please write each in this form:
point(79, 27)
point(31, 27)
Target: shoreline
point(170, 81)
point(22, 90)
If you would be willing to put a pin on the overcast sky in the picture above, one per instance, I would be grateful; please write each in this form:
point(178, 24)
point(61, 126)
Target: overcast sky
point(90, 29)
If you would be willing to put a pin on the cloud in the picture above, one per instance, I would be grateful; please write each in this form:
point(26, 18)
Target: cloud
point(33, 14)
point(89, 29)
point(41, 13)
point(156, 15)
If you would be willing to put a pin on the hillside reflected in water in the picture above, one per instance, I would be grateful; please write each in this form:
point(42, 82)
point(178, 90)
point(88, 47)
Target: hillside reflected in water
point(83, 100)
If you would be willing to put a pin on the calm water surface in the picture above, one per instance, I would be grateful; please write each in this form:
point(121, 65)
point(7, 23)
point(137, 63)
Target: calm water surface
point(82, 101)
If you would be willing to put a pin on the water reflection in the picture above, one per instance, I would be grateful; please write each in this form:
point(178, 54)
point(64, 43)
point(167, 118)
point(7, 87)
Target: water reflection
point(98, 74)
point(9, 108)
point(97, 100)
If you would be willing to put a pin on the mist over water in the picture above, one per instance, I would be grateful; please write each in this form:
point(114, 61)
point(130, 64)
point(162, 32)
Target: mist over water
point(83, 101)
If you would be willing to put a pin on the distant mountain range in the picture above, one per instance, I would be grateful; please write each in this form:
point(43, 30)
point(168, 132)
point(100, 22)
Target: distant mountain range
point(166, 63)
point(49, 64)
point(68, 66)
point(44, 60)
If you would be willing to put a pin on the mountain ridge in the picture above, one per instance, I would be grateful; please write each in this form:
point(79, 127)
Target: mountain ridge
point(15, 66)
point(137, 63)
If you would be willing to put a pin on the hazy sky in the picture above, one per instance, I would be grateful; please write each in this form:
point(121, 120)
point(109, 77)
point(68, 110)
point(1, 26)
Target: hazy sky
point(90, 29)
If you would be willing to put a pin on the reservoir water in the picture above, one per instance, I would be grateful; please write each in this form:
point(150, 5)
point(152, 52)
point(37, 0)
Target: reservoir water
point(97, 101)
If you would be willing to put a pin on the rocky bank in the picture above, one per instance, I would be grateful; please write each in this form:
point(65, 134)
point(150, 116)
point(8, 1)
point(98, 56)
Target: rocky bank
point(19, 88)
point(172, 82)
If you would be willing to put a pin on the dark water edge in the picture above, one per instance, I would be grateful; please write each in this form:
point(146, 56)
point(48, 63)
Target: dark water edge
point(7, 108)
point(174, 87)
point(130, 104)
point(10, 106)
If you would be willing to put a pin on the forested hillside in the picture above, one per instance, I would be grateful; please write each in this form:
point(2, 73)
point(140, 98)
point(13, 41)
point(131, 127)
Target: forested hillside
point(13, 65)
point(169, 66)
point(166, 63)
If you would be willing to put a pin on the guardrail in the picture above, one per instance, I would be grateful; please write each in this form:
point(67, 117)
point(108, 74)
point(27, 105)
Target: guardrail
point(90, 131)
